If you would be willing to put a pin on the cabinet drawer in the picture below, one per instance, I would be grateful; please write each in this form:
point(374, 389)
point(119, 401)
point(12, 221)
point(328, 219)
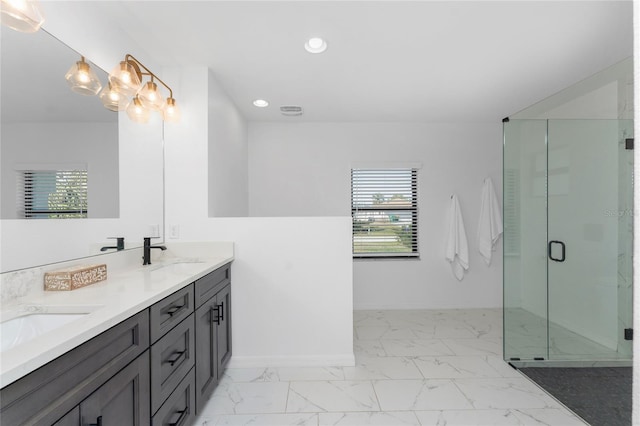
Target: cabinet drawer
point(171, 358)
point(179, 409)
point(168, 313)
point(47, 394)
point(207, 286)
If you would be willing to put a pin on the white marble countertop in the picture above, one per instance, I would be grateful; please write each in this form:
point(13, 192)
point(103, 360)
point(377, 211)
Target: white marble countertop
point(107, 303)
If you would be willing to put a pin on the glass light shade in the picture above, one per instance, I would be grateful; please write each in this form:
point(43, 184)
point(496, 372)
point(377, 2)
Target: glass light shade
point(124, 79)
point(151, 97)
point(21, 15)
point(82, 79)
point(113, 100)
point(171, 113)
point(137, 112)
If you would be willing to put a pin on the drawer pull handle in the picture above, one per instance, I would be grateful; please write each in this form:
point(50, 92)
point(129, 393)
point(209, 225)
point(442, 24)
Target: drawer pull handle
point(215, 314)
point(98, 422)
point(183, 414)
point(174, 309)
point(177, 356)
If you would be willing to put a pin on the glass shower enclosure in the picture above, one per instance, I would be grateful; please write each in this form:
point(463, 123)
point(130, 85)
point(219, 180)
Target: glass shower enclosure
point(568, 218)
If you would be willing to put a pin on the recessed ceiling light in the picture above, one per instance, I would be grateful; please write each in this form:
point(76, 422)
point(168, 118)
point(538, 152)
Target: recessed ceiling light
point(261, 103)
point(315, 45)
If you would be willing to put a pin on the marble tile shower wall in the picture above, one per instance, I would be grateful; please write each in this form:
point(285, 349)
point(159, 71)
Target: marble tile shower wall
point(412, 368)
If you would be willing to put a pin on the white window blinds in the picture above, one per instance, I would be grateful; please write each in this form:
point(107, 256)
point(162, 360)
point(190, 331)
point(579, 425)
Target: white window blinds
point(384, 209)
point(52, 194)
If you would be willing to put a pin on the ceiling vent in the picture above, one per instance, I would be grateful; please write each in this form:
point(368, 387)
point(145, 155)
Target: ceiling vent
point(291, 110)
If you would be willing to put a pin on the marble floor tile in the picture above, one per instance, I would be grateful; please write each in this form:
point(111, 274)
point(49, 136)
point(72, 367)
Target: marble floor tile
point(330, 396)
point(251, 375)
point(248, 398)
point(310, 373)
point(417, 347)
point(468, 418)
point(400, 395)
point(429, 367)
point(366, 332)
point(501, 366)
point(488, 346)
point(298, 419)
point(380, 418)
point(548, 417)
point(383, 368)
point(455, 367)
point(456, 330)
point(368, 348)
point(505, 393)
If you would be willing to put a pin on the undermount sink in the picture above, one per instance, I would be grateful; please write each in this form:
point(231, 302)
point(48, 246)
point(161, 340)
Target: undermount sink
point(30, 325)
point(186, 266)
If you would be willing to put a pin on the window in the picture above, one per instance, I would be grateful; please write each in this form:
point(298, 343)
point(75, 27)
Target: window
point(52, 194)
point(384, 209)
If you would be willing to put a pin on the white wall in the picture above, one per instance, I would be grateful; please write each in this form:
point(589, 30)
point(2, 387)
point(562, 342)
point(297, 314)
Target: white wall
point(304, 170)
point(228, 174)
point(292, 277)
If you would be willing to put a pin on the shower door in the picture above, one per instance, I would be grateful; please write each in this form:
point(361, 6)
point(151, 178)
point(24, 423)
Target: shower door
point(568, 238)
point(589, 197)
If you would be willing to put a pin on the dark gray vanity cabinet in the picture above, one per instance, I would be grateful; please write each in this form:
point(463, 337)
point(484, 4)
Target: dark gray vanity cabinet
point(213, 331)
point(173, 358)
point(157, 367)
point(55, 393)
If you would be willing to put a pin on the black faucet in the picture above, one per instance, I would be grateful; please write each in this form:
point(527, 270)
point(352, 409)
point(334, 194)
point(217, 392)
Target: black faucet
point(119, 245)
point(146, 250)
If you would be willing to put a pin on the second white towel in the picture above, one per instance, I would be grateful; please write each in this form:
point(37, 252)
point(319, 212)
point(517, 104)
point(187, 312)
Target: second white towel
point(457, 247)
point(490, 222)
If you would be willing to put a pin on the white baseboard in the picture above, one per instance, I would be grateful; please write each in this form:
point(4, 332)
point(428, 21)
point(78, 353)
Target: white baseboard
point(346, 360)
point(412, 306)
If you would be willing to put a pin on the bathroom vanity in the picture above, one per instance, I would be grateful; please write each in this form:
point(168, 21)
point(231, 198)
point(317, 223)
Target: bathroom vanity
point(157, 365)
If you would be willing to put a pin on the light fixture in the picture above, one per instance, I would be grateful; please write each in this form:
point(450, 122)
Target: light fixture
point(150, 96)
point(126, 80)
point(21, 15)
point(261, 103)
point(137, 112)
point(113, 100)
point(82, 79)
point(171, 113)
point(315, 45)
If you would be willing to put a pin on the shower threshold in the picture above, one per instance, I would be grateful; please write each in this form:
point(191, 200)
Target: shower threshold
point(601, 363)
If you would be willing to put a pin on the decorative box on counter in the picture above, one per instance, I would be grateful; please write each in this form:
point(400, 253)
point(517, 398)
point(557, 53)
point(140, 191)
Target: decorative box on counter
point(74, 277)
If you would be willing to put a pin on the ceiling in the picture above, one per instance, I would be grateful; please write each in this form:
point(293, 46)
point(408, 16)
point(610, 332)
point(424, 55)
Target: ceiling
point(404, 61)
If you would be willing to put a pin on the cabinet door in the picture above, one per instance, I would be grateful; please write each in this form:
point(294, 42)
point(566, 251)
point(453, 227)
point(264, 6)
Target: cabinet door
point(123, 400)
point(206, 349)
point(223, 300)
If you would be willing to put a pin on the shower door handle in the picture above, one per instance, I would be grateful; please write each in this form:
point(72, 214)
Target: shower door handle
point(563, 251)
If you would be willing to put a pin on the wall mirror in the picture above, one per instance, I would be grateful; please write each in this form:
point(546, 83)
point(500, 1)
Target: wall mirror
point(45, 127)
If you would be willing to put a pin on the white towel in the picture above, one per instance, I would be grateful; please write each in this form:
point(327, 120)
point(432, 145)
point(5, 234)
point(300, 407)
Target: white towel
point(490, 222)
point(457, 248)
